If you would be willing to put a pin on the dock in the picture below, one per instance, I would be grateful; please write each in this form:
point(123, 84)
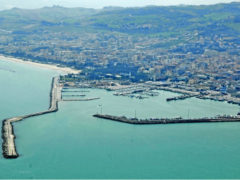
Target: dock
point(74, 95)
point(136, 121)
point(8, 136)
point(82, 91)
point(85, 99)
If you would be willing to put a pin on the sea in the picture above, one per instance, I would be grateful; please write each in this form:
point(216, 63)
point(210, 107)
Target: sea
point(72, 144)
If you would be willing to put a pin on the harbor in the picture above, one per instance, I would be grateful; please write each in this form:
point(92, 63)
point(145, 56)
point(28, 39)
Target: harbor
point(72, 134)
point(148, 89)
point(59, 92)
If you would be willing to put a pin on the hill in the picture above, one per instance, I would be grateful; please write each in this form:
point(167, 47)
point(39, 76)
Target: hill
point(147, 20)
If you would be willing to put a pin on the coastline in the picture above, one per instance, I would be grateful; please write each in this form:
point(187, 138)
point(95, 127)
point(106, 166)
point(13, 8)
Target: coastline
point(41, 65)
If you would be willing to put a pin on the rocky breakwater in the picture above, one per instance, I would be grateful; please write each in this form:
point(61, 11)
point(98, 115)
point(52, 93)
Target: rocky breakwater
point(183, 97)
point(168, 120)
point(8, 145)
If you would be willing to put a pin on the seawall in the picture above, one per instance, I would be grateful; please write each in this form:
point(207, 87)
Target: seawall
point(8, 136)
point(167, 120)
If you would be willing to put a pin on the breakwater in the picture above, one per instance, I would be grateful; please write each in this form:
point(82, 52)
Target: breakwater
point(168, 120)
point(183, 97)
point(8, 136)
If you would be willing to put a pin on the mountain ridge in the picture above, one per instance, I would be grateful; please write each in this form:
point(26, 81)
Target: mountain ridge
point(141, 20)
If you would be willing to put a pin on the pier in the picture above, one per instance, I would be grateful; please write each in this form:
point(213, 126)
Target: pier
point(74, 95)
point(8, 145)
point(86, 99)
point(168, 120)
point(82, 91)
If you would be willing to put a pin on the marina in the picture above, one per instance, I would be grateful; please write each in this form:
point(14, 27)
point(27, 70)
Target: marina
point(148, 89)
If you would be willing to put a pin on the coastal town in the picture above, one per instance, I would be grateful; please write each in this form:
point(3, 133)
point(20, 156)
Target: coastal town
point(201, 57)
point(215, 70)
point(134, 89)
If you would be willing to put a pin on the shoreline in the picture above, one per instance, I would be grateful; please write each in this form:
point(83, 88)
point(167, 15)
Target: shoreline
point(40, 65)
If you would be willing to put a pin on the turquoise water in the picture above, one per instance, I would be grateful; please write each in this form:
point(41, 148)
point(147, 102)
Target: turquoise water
point(73, 144)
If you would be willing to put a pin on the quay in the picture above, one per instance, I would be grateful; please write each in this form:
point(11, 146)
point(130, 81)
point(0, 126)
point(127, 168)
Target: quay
point(8, 145)
point(168, 120)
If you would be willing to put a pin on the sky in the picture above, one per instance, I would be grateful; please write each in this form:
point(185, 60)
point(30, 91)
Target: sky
point(32, 4)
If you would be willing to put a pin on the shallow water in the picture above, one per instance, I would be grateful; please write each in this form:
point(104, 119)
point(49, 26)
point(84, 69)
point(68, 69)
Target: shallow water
point(73, 144)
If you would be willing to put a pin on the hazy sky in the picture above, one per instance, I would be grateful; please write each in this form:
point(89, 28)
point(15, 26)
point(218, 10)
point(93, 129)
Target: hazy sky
point(7, 4)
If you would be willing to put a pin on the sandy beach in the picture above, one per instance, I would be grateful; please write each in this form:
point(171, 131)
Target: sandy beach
point(48, 66)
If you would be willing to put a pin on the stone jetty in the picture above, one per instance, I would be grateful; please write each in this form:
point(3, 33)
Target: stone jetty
point(183, 97)
point(8, 146)
point(168, 120)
